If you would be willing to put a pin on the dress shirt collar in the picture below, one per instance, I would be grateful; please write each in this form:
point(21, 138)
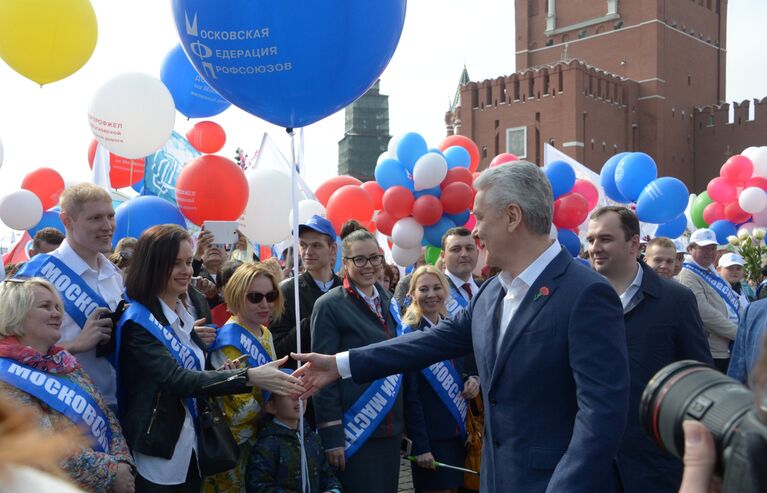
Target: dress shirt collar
point(72, 260)
point(178, 317)
point(460, 282)
point(370, 300)
point(627, 297)
point(534, 270)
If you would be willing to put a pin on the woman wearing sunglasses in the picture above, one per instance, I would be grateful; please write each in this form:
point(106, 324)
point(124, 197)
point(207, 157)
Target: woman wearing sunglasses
point(253, 297)
point(162, 366)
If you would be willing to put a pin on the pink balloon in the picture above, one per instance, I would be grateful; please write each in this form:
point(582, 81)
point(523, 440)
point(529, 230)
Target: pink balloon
point(737, 169)
point(503, 158)
point(734, 214)
point(756, 181)
point(471, 223)
point(588, 190)
point(722, 190)
point(713, 212)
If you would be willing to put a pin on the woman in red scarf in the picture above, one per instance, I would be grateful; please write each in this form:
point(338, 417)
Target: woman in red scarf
point(51, 384)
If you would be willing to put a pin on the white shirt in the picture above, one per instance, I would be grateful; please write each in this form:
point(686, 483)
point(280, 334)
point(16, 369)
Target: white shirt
point(516, 289)
point(173, 471)
point(107, 281)
point(627, 297)
point(371, 301)
point(458, 282)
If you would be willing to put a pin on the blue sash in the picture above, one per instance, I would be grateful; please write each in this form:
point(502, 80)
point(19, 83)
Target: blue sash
point(719, 285)
point(456, 302)
point(446, 382)
point(63, 396)
point(364, 416)
point(241, 339)
point(79, 299)
point(185, 357)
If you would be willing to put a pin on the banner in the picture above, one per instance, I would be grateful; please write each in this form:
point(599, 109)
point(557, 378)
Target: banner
point(162, 168)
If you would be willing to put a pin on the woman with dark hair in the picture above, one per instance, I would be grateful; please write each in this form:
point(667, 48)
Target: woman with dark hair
point(162, 370)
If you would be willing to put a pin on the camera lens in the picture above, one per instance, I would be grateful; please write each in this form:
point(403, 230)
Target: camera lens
point(691, 390)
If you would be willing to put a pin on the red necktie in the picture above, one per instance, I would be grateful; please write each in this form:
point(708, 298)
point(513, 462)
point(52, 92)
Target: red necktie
point(467, 287)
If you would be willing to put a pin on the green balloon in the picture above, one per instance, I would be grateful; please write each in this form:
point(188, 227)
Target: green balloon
point(696, 211)
point(432, 254)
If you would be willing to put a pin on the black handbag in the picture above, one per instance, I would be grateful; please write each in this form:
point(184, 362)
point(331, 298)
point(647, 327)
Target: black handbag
point(217, 450)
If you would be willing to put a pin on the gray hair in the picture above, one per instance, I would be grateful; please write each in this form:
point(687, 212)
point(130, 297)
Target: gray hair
point(353, 237)
point(16, 301)
point(524, 184)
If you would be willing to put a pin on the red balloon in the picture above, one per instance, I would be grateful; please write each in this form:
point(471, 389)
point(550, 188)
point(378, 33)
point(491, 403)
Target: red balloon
point(713, 212)
point(471, 222)
point(349, 202)
point(570, 210)
point(207, 137)
point(734, 214)
point(737, 169)
point(466, 143)
point(503, 158)
point(456, 198)
point(427, 210)
point(460, 175)
point(123, 172)
point(588, 190)
point(376, 193)
point(398, 202)
point(47, 184)
point(330, 186)
point(722, 190)
point(756, 181)
point(385, 222)
point(211, 188)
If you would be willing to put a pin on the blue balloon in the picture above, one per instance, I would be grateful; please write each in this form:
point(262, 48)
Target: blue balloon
point(390, 173)
point(723, 228)
point(436, 151)
point(290, 64)
point(410, 147)
point(141, 213)
point(433, 234)
point(50, 219)
point(461, 218)
point(457, 157)
point(436, 191)
point(570, 241)
point(662, 200)
point(608, 178)
point(633, 173)
point(193, 97)
point(674, 228)
point(561, 176)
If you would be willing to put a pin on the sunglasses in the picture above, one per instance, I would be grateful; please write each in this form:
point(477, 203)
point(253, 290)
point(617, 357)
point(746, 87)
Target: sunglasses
point(256, 298)
point(15, 280)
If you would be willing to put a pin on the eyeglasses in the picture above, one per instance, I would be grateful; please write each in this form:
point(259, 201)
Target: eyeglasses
point(256, 298)
point(361, 260)
point(15, 280)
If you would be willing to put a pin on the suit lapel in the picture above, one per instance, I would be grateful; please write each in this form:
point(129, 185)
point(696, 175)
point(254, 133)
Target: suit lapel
point(536, 298)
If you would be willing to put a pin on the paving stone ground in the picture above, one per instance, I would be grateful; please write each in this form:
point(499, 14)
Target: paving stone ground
point(405, 479)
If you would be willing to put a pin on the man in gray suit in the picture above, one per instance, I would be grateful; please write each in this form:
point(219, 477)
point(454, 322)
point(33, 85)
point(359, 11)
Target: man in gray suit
point(550, 346)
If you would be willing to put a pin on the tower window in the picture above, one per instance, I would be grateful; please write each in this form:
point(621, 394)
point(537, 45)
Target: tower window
point(516, 89)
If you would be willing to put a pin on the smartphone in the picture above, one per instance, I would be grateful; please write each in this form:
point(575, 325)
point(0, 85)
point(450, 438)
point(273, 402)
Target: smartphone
point(224, 232)
point(406, 447)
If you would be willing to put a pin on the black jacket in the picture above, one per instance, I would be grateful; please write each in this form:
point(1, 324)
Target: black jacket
point(284, 329)
point(153, 385)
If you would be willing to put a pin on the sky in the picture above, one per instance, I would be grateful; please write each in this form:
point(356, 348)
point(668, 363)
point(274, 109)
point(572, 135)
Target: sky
point(48, 126)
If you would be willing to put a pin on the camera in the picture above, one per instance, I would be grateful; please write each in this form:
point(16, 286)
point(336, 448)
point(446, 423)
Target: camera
point(691, 390)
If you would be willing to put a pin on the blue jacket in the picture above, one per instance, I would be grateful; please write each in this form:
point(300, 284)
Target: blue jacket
point(556, 393)
point(748, 342)
point(664, 327)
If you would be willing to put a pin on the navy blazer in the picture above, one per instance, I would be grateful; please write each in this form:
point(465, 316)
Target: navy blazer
point(556, 393)
point(664, 327)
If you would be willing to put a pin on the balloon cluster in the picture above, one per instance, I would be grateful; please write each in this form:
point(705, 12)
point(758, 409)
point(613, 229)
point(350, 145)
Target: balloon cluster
point(24, 209)
point(424, 192)
point(574, 198)
point(738, 196)
point(632, 177)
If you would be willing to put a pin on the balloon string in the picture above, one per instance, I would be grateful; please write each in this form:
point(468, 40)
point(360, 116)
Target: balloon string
point(296, 296)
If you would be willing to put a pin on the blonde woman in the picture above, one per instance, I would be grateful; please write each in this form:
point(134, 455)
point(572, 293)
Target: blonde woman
point(435, 421)
point(253, 297)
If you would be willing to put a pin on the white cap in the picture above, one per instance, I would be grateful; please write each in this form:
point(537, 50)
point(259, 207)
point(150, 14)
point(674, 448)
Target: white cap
point(679, 247)
point(730, 259)
point(703, 237)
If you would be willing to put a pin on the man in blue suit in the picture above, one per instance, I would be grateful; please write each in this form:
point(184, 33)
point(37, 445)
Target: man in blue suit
point(549, 342)
point(663, 325)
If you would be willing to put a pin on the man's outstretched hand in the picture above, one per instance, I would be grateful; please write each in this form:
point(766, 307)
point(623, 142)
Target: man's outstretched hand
point(317, 371)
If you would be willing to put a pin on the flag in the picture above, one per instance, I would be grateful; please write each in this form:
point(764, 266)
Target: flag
point(100, 171)
point(19, 251)
point(551, 154)
point(269, 156)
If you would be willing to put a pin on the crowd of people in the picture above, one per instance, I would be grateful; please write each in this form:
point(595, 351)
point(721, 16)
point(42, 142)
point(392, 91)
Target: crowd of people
point(176, 358)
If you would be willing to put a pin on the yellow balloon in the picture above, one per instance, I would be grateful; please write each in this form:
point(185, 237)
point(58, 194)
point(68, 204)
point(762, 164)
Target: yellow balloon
point(47, 40)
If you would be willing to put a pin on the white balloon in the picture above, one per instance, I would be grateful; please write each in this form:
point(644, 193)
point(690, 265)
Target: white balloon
point(407, 233)
point(392, 147)
point(760, 218)
point(429, 171)
point(759, 158)
point(753, 200)
point(306, 209)
point(748, 151)
point(1, 153)
point(384, 156)
point(132, 115)
point(21, 210)
point(405, 256)
point(269, 203)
